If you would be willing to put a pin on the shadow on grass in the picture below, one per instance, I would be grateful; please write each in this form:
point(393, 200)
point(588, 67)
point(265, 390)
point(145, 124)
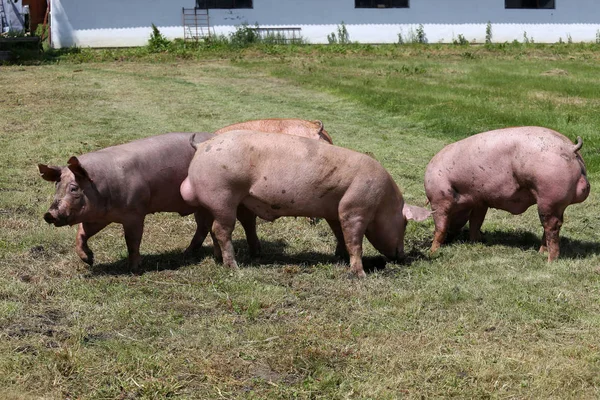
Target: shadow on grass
point(273, 256)
point(526, 240)
point(171, 260)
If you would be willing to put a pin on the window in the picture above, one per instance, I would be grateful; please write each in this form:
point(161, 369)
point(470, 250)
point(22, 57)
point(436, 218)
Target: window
point(381, 4)
point(223, 4)
point(529, 4)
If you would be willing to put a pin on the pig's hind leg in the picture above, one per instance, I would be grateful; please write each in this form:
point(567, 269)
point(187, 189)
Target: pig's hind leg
point(222, 229)
point(85, 231)
point(552, 220)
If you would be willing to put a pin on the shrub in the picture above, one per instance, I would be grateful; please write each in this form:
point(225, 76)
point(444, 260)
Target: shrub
point(343, 37)
point(157, 42)
point(421, 37)
point(461, 41)
point(488, 33)
point(243, 36)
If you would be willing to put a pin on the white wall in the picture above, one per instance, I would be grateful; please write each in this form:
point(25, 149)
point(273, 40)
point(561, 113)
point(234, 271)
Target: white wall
point(111, 23)
point(14, 16)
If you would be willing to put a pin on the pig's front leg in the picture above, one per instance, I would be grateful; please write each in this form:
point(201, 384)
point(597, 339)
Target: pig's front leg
point(340, 248)
point(203, 223)
point(134, 228)
point(85, 231)
point(353, 228)
point(543, 246)
point(248, 220)
point(475, 221)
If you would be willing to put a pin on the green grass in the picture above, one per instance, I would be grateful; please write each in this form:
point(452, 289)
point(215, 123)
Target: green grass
point(491, 319)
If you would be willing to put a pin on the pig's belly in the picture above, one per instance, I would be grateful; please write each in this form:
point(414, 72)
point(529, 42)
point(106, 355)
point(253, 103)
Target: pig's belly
point(271, 208)
point(515, 203)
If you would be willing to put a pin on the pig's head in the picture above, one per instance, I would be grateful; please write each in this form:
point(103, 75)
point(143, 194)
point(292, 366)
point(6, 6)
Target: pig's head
point(75, 194)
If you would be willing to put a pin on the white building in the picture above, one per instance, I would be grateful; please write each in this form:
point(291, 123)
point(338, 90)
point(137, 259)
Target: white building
point(112, 23)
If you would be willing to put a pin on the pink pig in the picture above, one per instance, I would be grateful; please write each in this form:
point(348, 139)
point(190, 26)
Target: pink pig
point(508, 169)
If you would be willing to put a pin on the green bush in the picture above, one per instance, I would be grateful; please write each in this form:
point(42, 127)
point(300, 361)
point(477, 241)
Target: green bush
point(157, 42)
point(343, 37)
point(243, 36)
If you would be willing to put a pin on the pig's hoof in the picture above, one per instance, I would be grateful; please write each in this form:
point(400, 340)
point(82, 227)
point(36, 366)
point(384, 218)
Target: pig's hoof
point(357, 274)
point(87, 257)
point(233, 266)
point(255, 251)
point(135, 269)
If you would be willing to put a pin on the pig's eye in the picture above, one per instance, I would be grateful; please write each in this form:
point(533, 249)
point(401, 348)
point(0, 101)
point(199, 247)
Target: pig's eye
point(73, 189)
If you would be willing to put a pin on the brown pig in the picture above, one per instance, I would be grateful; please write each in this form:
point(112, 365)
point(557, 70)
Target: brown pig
point(291, 126)
point(508, 169)
point(281, 175)
point(123, 184)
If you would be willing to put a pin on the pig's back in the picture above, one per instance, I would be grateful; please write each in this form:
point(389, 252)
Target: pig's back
point(495, 165)
point(288, 171)
point(145, 174)
point(297, 127)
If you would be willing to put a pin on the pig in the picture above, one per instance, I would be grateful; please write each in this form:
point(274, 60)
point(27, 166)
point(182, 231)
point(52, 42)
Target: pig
point(509, 169)
point(292, 126)
point(123, 184)
point(281, 175)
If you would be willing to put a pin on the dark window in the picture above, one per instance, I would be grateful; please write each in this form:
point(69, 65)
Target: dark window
point(223, 4)
point(381, 4)
point(529, 4)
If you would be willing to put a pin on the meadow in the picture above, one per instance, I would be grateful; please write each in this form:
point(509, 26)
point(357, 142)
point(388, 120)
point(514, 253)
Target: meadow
point(475, 320)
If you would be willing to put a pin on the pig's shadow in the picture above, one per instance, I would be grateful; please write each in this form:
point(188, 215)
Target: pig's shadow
point(527, 240)
point(273, 255)
point(170, 260)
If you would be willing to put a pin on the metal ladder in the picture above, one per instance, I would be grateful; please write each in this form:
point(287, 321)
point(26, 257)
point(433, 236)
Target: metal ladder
point(3, 22)
point(196, 23)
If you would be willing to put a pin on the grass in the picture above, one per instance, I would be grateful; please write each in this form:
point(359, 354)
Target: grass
point(491, 319)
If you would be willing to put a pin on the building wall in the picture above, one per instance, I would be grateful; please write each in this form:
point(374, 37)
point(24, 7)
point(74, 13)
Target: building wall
point(13, 14)
point(111, 23)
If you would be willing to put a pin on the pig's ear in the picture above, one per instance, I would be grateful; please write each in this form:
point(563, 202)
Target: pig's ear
point(49, 173)
point(76, 168)
point(415, 213)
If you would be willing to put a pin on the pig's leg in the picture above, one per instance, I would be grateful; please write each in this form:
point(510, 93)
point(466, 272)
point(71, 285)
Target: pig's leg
point(475, 222)
point(85, 231)
point(442, 222)
point(340, 248)
point(203, 224)
point(248, 220)
point(353, 228)
point(544, 246)
point(551, 221)
point(216, 248)
point(222, 229)
point(134, 228)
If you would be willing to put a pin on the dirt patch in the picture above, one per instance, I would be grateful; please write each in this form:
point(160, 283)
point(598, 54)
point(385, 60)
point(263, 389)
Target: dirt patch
point(45, 324)
point(555, 72)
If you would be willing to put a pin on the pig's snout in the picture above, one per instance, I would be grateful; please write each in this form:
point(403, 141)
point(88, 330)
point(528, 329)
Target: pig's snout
point(49, 218)
point(56, 221)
